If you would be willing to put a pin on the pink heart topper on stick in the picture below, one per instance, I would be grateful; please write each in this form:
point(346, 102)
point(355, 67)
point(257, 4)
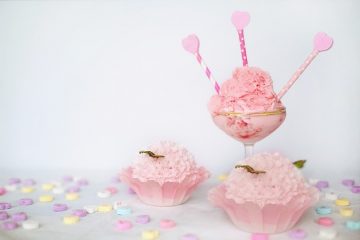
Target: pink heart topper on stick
point(322, 42)
point(191, 44)
point(240, 21)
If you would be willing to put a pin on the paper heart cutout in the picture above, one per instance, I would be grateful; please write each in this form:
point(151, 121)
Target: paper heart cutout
point(322, 42)
point(191, 43)
point(240, 19)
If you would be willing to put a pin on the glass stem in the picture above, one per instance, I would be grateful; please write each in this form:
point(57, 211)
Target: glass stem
point(249, 148)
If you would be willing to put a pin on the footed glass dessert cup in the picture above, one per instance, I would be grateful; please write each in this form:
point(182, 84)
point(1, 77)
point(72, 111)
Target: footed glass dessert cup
point(249, 128)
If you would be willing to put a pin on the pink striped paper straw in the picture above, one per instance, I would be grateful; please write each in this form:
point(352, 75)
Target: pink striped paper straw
point(322, 42)
point(191, 44)
point(240, 21)
point(242, 47)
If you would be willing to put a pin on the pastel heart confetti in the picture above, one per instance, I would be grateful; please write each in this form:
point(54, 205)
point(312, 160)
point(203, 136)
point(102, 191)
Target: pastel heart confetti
point(240, 19)
point(322, 42)
point(191, 43)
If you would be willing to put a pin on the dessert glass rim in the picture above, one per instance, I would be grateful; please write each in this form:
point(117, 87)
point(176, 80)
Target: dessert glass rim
point(277, 111)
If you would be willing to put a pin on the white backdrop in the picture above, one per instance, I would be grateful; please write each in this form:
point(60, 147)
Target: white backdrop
point(85, 85)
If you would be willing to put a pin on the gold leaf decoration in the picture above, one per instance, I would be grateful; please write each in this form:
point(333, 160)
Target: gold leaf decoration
point(299, 163)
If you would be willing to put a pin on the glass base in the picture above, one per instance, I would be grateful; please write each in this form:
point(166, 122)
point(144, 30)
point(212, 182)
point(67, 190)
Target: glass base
point(249, 150)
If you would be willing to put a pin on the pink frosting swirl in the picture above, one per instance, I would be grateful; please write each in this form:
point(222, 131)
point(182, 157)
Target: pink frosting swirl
point(279, 185)
point(177, 164)
point(249, 90)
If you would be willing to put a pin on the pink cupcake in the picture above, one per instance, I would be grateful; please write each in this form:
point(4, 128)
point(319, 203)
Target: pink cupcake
point(270, 202)
point(164, 175)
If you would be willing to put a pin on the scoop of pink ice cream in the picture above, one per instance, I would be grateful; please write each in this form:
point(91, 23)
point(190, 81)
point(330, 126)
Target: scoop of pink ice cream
point(249, 90)
point(177, 164)
point(281, 183)
point(270, 202)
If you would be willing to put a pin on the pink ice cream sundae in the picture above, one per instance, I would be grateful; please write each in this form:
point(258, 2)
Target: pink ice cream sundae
point(247, 107)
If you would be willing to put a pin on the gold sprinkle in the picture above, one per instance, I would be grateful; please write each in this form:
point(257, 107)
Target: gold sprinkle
point(151, 154)
point(250, 169)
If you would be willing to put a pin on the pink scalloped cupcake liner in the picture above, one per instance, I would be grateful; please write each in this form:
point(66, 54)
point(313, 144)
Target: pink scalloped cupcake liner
point(272, 218)
point(167, 194)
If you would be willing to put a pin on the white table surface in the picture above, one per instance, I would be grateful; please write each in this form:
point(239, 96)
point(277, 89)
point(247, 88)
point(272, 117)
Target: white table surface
point(196, 216)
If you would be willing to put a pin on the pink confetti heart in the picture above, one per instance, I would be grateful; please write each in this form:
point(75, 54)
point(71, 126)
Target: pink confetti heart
point(322, 42)
point(191, 43)
point(240, 19)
